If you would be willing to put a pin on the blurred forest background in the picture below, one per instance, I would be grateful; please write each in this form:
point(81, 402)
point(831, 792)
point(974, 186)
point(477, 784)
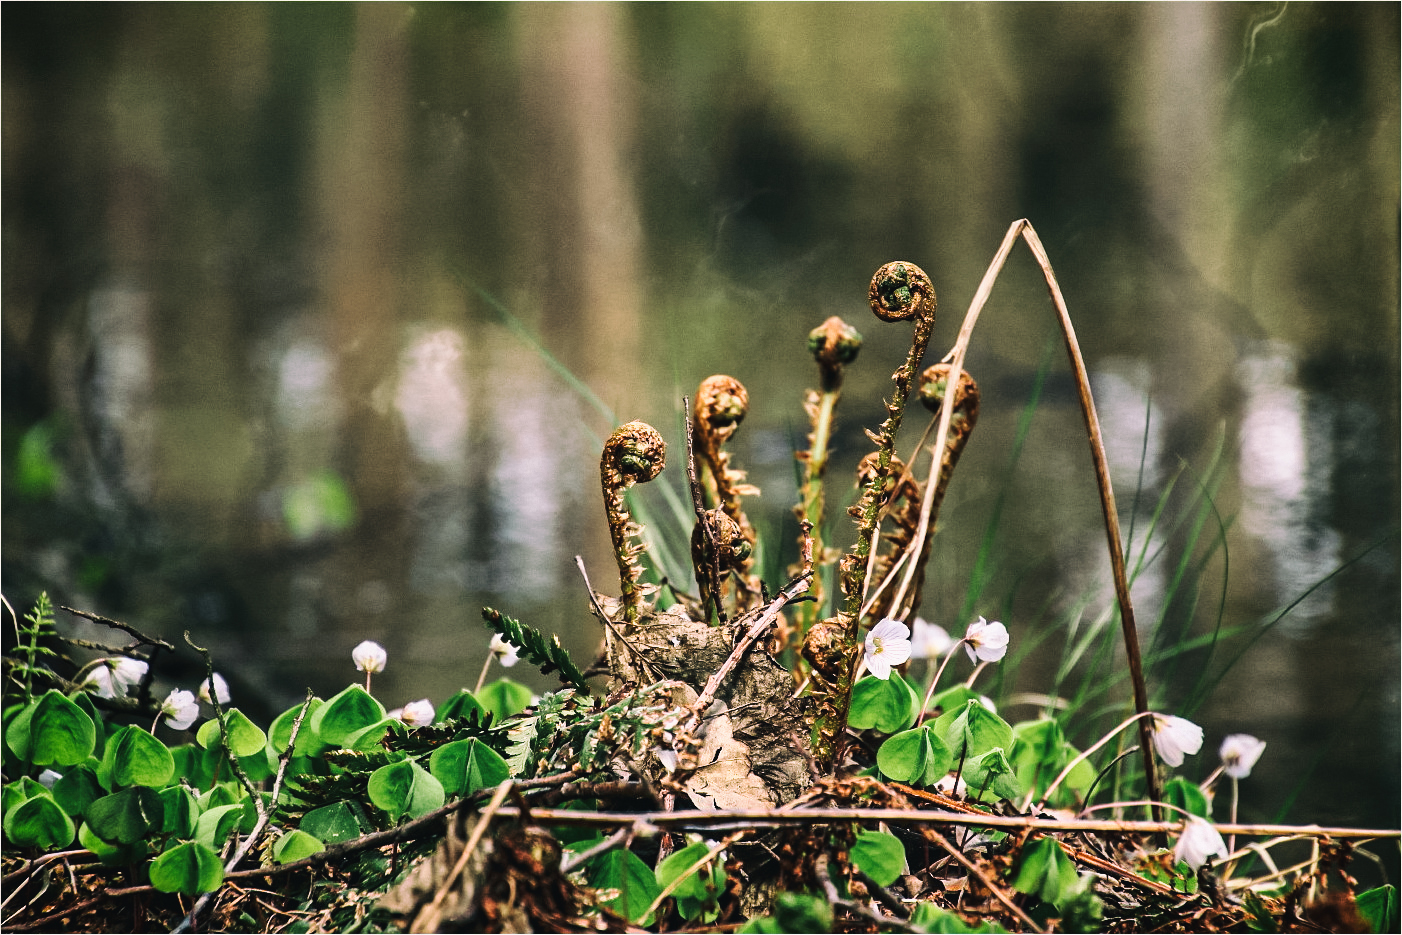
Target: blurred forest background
point(259, 382)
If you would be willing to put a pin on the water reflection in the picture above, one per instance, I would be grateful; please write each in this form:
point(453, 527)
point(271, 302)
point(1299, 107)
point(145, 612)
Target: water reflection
point(1285, 467)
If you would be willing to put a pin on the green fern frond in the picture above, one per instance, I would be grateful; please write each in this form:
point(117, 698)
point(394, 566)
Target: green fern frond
point(547, 655)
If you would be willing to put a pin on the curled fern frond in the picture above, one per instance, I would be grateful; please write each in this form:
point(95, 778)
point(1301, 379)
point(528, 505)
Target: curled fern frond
point(547, 655)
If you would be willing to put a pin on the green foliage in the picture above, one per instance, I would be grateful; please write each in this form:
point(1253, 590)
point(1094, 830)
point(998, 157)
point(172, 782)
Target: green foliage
point(39, 822)
point(1187, 796)
point(135, 758)
point(245, 737)
point(187, 868)
point(547, 655)
point(467, 766)
point(889, 705)
point(1045, 871)
point(972, 730)
point(504, 698)
point(699, 889)
point(1379, 907)
point(38, 624)
point(125, 817)
point(928, 917)
point(1039, 754)
point(793, 912)
point(405, 789)
point(991, 772)
point(624, 871)
point(345, 714)
point(879, 855)
point(919, 757)
point(52, 731)
point(332, 823)
point(296, 845)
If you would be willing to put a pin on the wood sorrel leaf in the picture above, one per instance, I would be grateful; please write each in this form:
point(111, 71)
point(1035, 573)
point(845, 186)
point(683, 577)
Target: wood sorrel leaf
point(281, 731)
point(77, 789)
point(39, 822)
point(1378, 907)
point(126, 817)
point(1187, 796)
point(135, 758)
point(180, 811)
point(1045, 871)
point(461, 705)
point(245, 737)
point(992, 773)
point(624, 871)
point(917, 756)
point(332, 823)
point(504, 698)
point(213, 827)
point(405, 788)
point(351, 710)
point(973, 730)
point(295, 845)
point(187, 868)
point(60, 733)
point(465, 766)
point(879, 855)
point(885, 704)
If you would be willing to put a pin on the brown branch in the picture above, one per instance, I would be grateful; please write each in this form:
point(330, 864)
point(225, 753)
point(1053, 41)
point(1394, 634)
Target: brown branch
point(117, 624)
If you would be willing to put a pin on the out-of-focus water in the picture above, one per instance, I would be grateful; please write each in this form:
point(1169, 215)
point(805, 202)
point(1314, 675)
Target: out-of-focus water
point(255, 257)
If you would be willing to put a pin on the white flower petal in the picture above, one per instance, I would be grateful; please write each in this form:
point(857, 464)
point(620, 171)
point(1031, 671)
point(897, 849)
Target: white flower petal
point(929, 640)
point(1175, 736)
point(1239, 753)
point(505, 652)
point(417, 713)
point(221, 690)
point(180, 709)
point(887, 645)
point(986, 642)
point(369, 656)
point(1199, 841)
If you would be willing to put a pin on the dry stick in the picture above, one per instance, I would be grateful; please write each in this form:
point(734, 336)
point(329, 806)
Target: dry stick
point(503, 788)
point(988, 883)
point(777, 817)
point(1023, 228)
point(117, 624)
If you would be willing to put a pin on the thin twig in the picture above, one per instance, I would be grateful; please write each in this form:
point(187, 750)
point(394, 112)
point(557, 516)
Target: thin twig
point(988, 883)
point(117, 624)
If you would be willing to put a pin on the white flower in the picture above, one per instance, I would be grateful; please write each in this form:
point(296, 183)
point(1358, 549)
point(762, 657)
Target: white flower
point(180, 708)
point(929, 640)
point(1239, 753)
point(221, 689)
point(506, 653)
point(111, 678)
point(48, 777)
point(1175, 736)
point(369, 656)
point(668, 759)
point(417, 713)
point(1199, 841)
point(986, 642)
point(887, 645)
